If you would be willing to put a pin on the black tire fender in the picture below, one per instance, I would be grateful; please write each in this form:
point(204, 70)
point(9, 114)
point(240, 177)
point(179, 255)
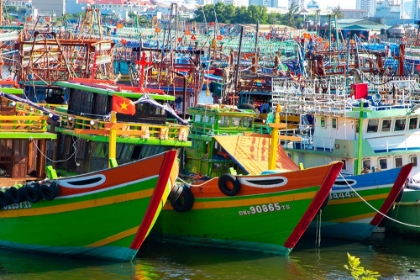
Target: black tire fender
point(15, 194)
point(49, 191)
point(4, 198)
point(175, 192)
point(185, 201)
point(246, 106)
point(229, 184)
point(32, 192)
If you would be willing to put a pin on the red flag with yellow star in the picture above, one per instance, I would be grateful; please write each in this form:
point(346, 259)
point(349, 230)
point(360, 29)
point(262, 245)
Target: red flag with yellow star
point(123, 105)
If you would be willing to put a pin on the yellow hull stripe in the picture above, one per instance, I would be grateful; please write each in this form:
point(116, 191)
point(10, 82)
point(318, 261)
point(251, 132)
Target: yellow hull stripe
point(114, 237)
point(357, 199)
point(355, 218)
point(13, 213)
point(133, 230)
point(246, 201)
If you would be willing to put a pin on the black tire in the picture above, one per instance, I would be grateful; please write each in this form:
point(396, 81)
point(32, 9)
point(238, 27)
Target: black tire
point(4, 199)
point(175, 192)
point(15, 195)
point(229, 185)
point(185, 201)
point(32, 192)
point(49, 191)
point(246, 106)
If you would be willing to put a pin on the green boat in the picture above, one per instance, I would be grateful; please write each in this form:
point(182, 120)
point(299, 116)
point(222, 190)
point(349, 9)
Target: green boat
point(268, 212)
point(404, 218)
point(74, 215)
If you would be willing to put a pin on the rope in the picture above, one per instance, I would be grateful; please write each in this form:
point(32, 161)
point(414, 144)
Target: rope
point(376, 210)
point(192, 185)
point(318, 230)
point(62, 160)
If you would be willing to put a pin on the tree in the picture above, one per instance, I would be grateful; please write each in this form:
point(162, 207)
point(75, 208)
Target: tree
point(337, 12)
point(291, 17)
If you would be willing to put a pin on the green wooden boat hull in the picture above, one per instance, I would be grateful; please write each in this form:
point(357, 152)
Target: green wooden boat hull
point(404, 216)
point(265, 216)
point(105, 214)
point(354, 213)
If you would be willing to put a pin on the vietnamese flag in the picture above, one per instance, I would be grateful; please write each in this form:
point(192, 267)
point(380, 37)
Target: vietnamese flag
point(123, 105)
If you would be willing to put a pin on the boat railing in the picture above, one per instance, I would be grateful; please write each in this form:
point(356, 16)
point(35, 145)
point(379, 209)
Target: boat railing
point(84, 125)
point(22, 118)
point(393, 142)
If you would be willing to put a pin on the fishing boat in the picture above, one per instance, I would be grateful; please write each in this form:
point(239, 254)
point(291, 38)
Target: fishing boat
point(74, 215)
point(147, 125)
point(403, 218)
point(374, 137)
point(268, 212)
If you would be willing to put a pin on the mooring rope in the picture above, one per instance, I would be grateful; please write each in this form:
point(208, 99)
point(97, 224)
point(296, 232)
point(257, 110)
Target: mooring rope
point(61, 160)
point(193, 185)
point(318, 229)
point(376, 210)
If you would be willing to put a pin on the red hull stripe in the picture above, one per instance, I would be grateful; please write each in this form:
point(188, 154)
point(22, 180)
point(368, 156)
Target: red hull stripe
point(393, 194)
point(315, 205)
point(164, 175)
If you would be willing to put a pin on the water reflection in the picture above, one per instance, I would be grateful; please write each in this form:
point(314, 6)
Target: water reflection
point(392, 256)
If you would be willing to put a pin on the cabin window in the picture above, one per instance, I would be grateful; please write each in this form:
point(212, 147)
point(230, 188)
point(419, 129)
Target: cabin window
point(323, 122)
point(398, 161)
point(399, 124)
point(139, 108)
point(386, 125)
point(236, 121)
point(118, 151)
point(101, 150)
point(246, 122)
point(413, 160)
point(344, 164)
point(212, 119)
point(366, 164)
point(413, 123)
point(224, 121)
point(205, 118)
point(126, 152)
point(372, 125)
point(158, 111)
point(334, 123)
point(197, 118)
point(136, 152)
point(383, 163)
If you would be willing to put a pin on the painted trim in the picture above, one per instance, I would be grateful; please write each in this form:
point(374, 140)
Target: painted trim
point(75, 206)
point(395, 191)
point(149, 217)
point(68, 182)
point(357, 199)
point(114, 237)
point(315, 205)
point(222, 203)
point(106, 188)
point(249, 182)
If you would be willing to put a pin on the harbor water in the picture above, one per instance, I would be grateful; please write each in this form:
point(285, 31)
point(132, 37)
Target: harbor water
point(392, 256)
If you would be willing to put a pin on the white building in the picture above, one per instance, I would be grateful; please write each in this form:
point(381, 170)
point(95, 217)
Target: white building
point(45, 7)
point(367, 5)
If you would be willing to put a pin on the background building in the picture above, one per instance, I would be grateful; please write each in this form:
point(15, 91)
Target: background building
point(367, 5)
point(49, 7)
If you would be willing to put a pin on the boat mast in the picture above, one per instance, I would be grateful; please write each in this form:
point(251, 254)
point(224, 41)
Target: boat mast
point(272, 155)
point(362, 112)
point(235, 81)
